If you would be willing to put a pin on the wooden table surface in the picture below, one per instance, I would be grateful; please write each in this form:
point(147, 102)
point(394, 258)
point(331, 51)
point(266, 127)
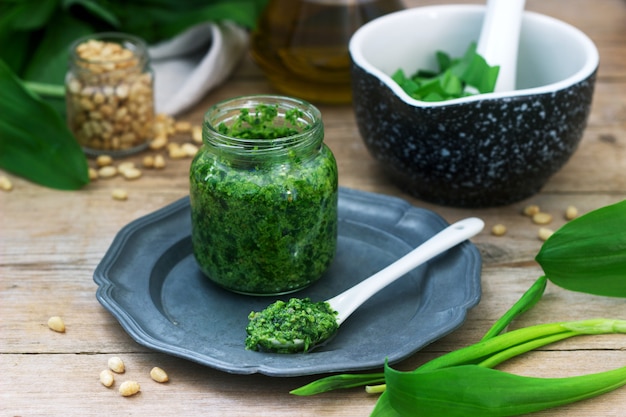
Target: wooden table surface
point(51, 241)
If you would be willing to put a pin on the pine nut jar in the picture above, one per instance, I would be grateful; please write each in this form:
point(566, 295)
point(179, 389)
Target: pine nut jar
point(110, 94)
point(263, 193)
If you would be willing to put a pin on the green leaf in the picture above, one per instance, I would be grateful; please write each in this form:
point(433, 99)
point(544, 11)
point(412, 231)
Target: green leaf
point(478, 352)
point(525, 303)
point(424, 88)
point(15, 49)
point(49, 61)
point(383, 407)
point(503, 355)
point(25, 15)
point(480, 75)
point(588, 254)
point(488, 393)
point(517, 341)
point(95, 8)
point(20, 22)
point(451, 84)
point(158, 20)
point(338, 382)
point(34, 141)
point(443, 60)
point(596, 326)
point(453, 79)
point(470, 390)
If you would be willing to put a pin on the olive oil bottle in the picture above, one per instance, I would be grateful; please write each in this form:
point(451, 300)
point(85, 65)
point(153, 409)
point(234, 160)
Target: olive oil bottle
point(302, 46)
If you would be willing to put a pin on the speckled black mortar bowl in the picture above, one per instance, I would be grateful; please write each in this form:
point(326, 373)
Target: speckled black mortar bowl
point(479, 151)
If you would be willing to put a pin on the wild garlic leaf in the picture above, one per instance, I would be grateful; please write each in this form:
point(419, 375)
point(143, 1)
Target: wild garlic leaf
point(383, 407)
point(94, 8)
point(452, 79)
point(25, 15)
point(525, 303)
point(480, 75)
point(342, 381)
point(48, 62)
point(35, 142)
point(588, 254)
point(471, 390)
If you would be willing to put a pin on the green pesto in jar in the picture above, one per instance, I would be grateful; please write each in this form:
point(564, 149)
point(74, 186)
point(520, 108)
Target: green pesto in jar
point(292, 326)
point(264, 193)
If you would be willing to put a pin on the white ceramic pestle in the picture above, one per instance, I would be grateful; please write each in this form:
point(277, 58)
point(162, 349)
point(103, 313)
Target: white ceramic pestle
point(499, 39)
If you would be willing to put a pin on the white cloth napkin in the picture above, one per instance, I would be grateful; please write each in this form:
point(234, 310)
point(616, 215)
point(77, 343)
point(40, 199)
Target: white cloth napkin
point(191, 64)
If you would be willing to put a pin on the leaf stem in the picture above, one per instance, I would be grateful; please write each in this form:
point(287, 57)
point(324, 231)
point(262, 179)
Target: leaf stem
point(44, 89)
point(507, 354)
point(482, 350)
point(375, 389)
point(341, 381)
point(525, 303)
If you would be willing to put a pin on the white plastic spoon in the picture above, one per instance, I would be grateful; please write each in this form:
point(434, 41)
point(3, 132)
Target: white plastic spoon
point(499, 39)
point(348, 301)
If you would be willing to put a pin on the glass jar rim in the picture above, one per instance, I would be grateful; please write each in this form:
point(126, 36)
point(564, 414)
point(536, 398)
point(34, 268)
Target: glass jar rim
point(134, 43)
point(312, 118)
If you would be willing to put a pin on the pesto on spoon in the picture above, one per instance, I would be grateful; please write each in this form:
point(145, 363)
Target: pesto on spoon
point(300, 324)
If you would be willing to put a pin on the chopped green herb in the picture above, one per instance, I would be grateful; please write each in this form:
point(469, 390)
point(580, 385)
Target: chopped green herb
point(456, 78)
point(263, 125)
point(282, 324)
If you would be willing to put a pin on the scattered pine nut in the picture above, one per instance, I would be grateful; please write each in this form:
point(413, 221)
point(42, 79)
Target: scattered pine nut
point(531, 210)
point(5, 183)
point(119, 194)
point(129, 388)
point(131, 173)
point(571, 213)
point(93, 174)
point(190, 149)
point(148, 161)
point(498, 230)
point(182, 126)
point(158, 143)
point(164, 124)
point(107, 172)
point(196, 134)
point(104, 160)
point(105, 166)
point(158, 374)
point(542, 218)
point(56, 323)
point(106, 378)
point(176, 151)
point(159, 162)
point(545, 233)
point(124, 166)
point(116, 364)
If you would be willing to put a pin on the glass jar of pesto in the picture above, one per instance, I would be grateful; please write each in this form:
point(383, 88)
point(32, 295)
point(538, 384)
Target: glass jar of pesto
point(263, 192)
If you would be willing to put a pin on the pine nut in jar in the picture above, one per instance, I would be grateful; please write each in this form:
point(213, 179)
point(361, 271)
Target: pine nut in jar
point(110, 94)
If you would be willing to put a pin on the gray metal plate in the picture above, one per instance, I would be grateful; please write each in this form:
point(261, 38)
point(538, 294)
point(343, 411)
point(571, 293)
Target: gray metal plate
point(150, 282)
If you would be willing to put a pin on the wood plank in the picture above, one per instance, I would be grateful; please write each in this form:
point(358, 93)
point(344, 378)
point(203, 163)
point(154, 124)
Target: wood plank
point(51, 241)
